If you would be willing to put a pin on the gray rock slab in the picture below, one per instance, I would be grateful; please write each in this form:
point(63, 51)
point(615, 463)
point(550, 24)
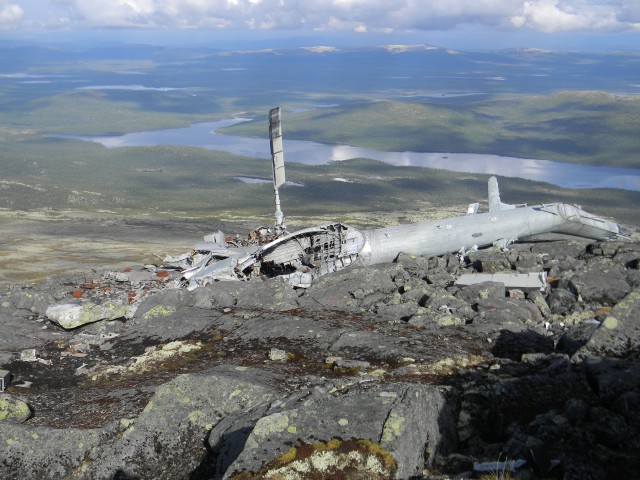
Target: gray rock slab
point(417, 291)
point(559, 249)
point(521, 310)
point(485, 290)
point(401, 311)
point(612, 377)
point(348, 289)
point(445, 303)
point(271, 294)
point(575, 336)
point(416, 265)
point(604, 283)
point(19, 332)
point(214, 295)
point(168, 322)
point(70, 315)
point(408, 421)
point(37, 297)
point(619, 333)
point(168, 299)
point(370, 345)
point(44, 452)
point(490, 261)
point(271, 329)
point(561, 301)
point(166, 440)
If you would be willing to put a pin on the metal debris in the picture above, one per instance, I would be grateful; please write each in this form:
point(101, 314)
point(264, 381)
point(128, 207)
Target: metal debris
point(522, 281)
point(5, 378)
point(28, 355)
point(301, 256)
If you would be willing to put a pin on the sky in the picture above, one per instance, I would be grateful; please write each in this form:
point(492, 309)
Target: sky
point(470, 24)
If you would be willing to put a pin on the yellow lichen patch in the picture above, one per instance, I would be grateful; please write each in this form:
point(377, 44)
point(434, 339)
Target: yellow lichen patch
point(235, 393)
point(275, 423)
point(198, 417)
point(13, 409)
point(159, 311)
point(336, 458)
point(126, 422)
point(610, 323)
point(150, 360)
point(288, 456)
point(449, 366)
point(392, 427)
point(577, 318)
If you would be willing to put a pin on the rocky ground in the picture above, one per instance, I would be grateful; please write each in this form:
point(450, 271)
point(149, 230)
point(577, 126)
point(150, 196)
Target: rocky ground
point(390, 371)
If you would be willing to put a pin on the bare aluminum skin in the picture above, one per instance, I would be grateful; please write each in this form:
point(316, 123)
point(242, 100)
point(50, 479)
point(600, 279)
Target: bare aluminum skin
point(300, 256)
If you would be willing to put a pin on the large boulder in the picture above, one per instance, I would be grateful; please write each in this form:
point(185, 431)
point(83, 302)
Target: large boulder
point(26, 331)
point(166, 441)
point(481, 291)
point(491, 260)
point(45, 452)
point(13, 409)
point(602, 282)
point(75, 314)
point(619, 333)
point(411, 423)
point(355, 288)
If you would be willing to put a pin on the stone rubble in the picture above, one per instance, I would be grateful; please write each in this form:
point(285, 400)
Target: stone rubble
point(120, 375)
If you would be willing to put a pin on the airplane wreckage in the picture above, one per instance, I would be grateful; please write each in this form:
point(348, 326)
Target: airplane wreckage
point(301, 256)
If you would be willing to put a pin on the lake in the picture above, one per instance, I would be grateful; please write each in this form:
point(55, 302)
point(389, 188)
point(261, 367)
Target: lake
point(205, 135)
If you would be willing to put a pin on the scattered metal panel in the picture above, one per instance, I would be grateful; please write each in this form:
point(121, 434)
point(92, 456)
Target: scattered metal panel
point(5, 377)
point(523, 281)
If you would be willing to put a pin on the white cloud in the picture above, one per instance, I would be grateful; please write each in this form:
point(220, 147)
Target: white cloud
point(324, 15)
point(566, 16)
point(10, 14)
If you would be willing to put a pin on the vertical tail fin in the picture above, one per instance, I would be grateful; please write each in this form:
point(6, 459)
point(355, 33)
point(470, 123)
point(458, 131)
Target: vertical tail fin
point(277, 156)
point(495, 203)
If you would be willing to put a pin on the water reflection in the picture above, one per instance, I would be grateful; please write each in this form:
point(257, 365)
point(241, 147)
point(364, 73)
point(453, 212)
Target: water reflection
point(252, 180)
point(311, 153)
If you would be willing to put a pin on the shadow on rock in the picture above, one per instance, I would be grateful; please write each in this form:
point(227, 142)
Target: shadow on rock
point(513, 345)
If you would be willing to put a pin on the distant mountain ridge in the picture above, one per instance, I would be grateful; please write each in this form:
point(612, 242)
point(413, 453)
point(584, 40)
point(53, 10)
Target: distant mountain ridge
point(391, 67)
